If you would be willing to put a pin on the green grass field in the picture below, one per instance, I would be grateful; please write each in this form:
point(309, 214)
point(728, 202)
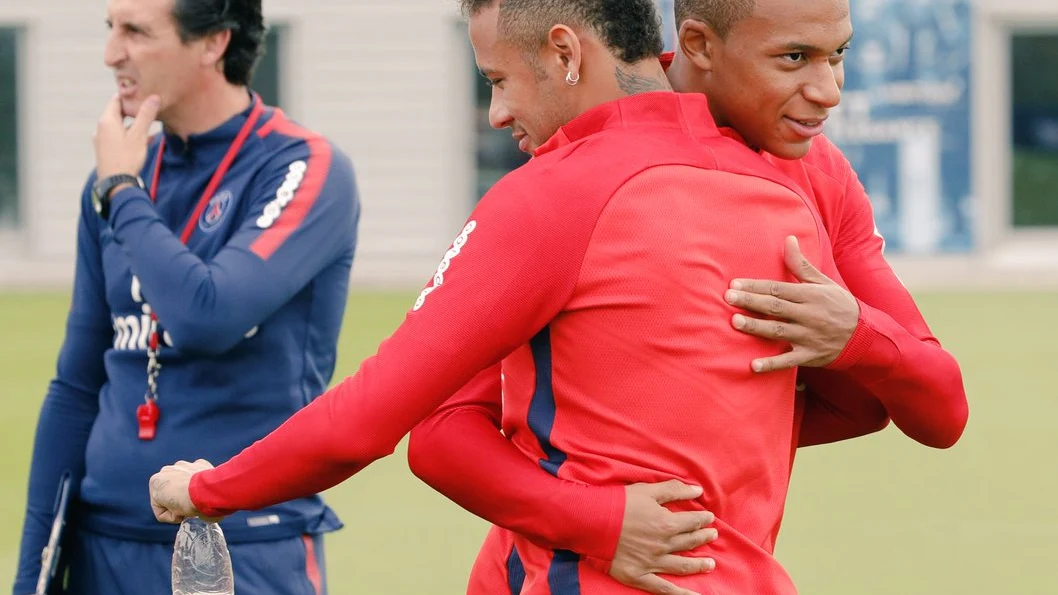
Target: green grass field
point(876, 515)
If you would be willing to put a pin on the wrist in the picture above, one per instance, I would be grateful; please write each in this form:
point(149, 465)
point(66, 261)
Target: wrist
point(600, 522)
point(119, 188)
point(871, 354)
point(106, 187)
point(858, 344)
point(194, 492)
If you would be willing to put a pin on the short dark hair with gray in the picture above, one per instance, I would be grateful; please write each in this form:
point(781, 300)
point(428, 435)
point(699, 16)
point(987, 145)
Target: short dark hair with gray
point(631, 29)
point(196, 19)
point(721, 15)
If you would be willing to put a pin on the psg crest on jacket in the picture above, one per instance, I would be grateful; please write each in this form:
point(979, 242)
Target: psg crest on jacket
point(215, 211)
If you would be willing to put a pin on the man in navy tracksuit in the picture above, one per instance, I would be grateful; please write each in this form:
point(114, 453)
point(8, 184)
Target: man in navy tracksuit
point(212, 273)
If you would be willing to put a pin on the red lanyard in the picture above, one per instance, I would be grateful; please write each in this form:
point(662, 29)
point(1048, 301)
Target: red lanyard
point(147, 414)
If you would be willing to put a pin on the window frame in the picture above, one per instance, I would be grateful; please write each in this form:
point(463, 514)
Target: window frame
point(1014, 33)
point(14, 230)
point(995, 26)
point(282, 29)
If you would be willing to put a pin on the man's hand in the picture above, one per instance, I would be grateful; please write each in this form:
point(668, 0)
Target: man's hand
point(120, 150)
point(651, 535)
point(170, 496)
point(817, 316)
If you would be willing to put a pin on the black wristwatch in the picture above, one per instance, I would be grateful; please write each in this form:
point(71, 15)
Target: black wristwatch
point(102, 189)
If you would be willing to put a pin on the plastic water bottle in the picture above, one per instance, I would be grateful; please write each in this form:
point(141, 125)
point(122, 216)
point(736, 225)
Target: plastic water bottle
point(201, 563)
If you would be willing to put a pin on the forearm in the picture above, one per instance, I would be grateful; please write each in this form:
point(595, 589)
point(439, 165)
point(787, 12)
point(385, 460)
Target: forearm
point(917, 380)
point(66, 419)
point(892, 351)
point(460, 452)
point(355, 423)
point(837, 408)
point(316, 449)
point(202, 306)
point(462, 323)
point(209, 307)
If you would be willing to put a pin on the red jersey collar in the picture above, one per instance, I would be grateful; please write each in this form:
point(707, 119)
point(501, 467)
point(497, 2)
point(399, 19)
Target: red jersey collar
point(666, 61)
point(689, 111)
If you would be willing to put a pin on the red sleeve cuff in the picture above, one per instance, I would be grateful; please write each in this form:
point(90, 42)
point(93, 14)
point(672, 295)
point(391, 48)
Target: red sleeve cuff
point(615, 511)
point(605, 528)
point(871, 354)
point(198, 491)
point(597, 515)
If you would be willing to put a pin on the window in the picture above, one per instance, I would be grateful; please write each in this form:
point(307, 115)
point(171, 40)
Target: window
point(9, 195)
point(267, 77)
point(496, 153)
point(1035, 129)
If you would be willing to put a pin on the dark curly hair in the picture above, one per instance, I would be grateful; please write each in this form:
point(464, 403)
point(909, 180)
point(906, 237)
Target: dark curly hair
point(721, 15)
point(198, 18)
point(630, 28)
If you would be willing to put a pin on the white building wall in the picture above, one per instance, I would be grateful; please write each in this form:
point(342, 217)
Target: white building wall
point(389, 82)
point(379, 77)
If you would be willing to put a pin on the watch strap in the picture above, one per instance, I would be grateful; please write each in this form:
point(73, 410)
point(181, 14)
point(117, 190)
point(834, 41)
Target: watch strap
point(103, 188)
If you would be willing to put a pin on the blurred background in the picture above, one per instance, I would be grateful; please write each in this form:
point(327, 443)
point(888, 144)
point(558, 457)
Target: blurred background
point(950, 117)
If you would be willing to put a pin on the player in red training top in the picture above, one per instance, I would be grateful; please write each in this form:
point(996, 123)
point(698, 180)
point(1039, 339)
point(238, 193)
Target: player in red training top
point(772, 71)
point(590, 289)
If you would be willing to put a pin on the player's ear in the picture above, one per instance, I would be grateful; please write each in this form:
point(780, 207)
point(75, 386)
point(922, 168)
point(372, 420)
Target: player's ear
point(214, 46)
point(562, 51)
point(698, 42)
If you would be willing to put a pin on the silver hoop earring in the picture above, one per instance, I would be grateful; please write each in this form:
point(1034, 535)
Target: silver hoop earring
point(570, 80)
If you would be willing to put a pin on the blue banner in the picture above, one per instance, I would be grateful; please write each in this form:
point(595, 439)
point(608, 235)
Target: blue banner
point(904, 120)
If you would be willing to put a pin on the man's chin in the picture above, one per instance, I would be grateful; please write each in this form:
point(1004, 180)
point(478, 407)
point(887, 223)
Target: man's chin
point(790, 150)
point(130, 107)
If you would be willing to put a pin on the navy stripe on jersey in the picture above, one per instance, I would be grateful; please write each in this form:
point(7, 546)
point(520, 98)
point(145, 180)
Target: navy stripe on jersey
point(542, 407)
point(562, 577)
point(515, 572)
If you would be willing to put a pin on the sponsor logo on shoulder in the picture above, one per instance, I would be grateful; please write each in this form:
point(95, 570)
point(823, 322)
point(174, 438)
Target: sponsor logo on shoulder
point(439, 276)
point(285, 194)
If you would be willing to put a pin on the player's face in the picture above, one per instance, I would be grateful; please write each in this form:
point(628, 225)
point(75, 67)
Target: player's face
point(524, 96)
point(147, 56)
point(780, 71)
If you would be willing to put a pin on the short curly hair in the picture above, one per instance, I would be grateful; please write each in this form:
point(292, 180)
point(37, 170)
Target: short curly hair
point(198, 18)
point(630, 28)
point(721, 15)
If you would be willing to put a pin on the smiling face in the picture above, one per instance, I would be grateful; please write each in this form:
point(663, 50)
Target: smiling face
point(777, 74)
point(525, 98)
